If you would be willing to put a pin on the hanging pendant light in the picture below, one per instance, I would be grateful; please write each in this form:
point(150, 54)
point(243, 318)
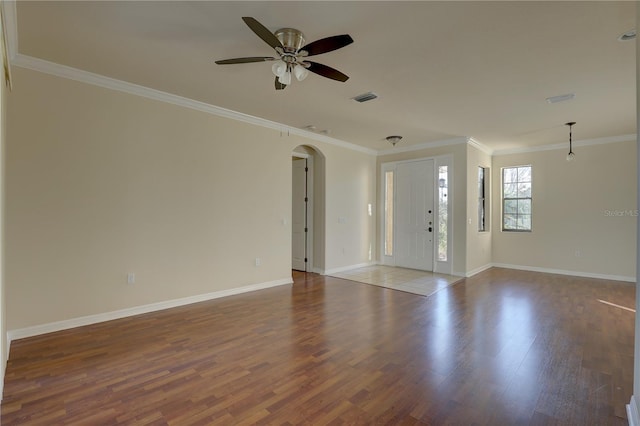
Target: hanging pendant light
point(570, 156)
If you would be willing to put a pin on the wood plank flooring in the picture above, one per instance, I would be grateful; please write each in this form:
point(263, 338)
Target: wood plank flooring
point(502, 348)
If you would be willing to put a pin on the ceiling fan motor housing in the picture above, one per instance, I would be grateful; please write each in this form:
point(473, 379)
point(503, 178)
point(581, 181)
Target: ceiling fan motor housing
point(292, 40)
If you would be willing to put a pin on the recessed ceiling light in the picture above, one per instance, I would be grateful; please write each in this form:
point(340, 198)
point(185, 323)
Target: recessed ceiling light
point(629, 35)
point(561, 98)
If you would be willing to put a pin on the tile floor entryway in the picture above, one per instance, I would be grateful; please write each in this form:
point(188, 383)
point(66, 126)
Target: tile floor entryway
point(413, 281)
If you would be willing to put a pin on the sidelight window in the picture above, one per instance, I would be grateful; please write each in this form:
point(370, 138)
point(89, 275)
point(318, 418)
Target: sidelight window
point(443, 215)
point(388, 213)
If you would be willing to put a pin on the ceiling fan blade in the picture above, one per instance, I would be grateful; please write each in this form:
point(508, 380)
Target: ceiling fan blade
point(280, 86)
point(328, 44)
point(262, 32)
point(326, 71)
point(245, 60)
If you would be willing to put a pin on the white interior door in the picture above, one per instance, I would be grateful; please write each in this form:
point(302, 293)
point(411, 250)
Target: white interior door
point(299, 215)
point(414, 215)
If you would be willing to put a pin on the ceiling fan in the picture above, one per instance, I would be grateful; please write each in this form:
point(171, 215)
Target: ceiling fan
point(292, 53)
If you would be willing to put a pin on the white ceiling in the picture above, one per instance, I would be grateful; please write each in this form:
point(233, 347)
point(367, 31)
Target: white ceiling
point(442, 69)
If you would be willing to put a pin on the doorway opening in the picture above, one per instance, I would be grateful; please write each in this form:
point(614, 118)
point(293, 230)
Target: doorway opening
point(307, 210)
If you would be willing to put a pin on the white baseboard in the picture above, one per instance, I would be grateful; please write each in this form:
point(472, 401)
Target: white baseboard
point(36, 330)
point(347, 268)
point(475, 271)
point(565, 272)
point(632, 412)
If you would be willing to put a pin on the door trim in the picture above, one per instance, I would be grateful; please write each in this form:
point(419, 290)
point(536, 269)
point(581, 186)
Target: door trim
point(441, 160)
point(309, 265)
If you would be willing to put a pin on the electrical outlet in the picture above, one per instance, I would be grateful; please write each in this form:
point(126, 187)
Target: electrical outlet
point(258, 261)
point(131, 278)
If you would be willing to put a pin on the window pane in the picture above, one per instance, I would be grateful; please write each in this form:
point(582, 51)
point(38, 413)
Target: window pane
point(511, 190)
point(524, 190)
point(510, 175)
point(443, 210)
point(510, 206)
point(509, 222)
point(524, 207)
point(481, 199)
point(524, 174)
point(524, 222)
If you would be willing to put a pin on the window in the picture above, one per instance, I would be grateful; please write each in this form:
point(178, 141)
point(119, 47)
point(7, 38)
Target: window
point(516, 198)
point(482, 198)
point(443, 208)
point(388, 214)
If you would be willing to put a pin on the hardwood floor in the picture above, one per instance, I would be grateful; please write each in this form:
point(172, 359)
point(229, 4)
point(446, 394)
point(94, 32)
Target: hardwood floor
point(502, 348)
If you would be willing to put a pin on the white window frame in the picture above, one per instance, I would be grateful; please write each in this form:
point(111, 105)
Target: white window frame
point(502, 199)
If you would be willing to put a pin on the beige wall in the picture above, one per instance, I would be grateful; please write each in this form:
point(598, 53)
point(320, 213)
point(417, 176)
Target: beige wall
point(479, 251)
point(101, 183)
point(583, 211)
point(459, 154)
point(347, 218)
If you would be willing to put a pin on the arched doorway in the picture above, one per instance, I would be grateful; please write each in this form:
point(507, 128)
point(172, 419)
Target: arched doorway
point(307, 209)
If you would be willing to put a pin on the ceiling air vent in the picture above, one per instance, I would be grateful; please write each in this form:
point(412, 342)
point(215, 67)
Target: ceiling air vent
point(365, 97)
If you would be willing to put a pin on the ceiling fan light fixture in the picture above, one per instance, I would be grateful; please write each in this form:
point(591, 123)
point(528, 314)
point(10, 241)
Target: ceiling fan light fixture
point(279, 68)
point(285, 78)
point(300, 72)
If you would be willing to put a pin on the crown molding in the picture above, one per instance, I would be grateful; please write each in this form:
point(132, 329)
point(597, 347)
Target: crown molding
point(578, 143)
point(480, 146)
point(63, 71)
point(11, 22)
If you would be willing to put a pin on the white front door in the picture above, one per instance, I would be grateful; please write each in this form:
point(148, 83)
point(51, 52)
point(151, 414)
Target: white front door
point(414, 215)
point(299, 215)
